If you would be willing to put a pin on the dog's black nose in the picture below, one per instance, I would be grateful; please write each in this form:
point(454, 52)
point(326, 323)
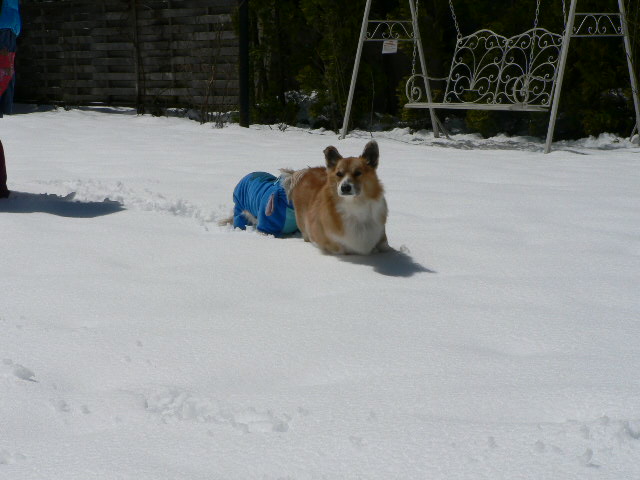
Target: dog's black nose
point(345, 188)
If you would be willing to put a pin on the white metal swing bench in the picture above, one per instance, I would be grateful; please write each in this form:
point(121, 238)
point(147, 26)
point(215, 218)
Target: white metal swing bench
point(493, 72)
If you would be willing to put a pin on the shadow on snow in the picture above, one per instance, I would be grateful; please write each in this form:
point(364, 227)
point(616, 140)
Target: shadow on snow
point(21, 202)
point(394, 263)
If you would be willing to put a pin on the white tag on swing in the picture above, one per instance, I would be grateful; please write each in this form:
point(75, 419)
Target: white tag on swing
point(390, 46)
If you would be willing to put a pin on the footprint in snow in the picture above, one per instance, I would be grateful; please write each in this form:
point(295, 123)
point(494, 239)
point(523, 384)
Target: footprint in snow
point(173, 404)
point(23, 373)
point(19, 371)
point(253, 421)
point(7, 458)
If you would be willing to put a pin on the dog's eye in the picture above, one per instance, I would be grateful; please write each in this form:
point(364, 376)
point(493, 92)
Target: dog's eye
point(340, 174)
point(357, 173)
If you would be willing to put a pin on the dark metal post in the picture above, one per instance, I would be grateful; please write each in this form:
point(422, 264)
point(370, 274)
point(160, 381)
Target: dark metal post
point(243, 69)
point(133, 7)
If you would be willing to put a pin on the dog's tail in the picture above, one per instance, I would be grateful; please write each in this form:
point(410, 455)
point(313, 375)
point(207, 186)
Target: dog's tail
point(289, 178)
point(251, 219)
point(226, 221)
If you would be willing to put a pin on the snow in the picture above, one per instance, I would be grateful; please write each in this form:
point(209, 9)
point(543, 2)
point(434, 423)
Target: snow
point(140, 340)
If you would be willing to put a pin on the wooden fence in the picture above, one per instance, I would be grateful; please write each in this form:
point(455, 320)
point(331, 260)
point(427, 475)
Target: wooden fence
point(151, 54)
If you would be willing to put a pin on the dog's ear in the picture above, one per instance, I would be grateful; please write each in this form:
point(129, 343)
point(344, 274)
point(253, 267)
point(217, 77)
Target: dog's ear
point(371, 154)
point(332, 156)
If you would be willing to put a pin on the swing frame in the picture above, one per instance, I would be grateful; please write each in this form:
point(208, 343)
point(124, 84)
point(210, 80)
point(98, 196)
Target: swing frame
point(494, 79)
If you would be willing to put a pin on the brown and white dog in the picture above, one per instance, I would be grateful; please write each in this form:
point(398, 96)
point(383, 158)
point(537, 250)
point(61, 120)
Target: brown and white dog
point(341, 208)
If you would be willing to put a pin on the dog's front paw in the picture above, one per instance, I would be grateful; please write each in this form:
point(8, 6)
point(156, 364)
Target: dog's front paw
point(382, 246)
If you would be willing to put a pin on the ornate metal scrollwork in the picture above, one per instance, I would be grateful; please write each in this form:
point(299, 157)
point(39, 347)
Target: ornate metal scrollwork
point(415, 88)
point(529, 69)
point(490, 69)
point(475, 68)
point(389, 30)
point(598, 25)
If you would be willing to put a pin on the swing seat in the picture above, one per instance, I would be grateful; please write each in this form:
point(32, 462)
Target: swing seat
point(517, 107)
point(493, 72)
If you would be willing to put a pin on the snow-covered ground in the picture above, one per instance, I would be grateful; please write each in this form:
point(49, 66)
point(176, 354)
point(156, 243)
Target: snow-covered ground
point(139, 340)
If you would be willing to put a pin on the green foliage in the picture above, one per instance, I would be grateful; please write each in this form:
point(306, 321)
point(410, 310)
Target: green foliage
point(279, 42)
point(484, 122)
point(309, 46)
point(596, 84)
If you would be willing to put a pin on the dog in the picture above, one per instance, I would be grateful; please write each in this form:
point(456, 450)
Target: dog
point(260, 199)
point(341, 208)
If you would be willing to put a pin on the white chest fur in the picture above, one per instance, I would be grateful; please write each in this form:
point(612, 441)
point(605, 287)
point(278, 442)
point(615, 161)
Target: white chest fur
point(363, 222)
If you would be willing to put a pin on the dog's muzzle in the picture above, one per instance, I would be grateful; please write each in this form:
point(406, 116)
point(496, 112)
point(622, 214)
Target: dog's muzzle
point(347, 189)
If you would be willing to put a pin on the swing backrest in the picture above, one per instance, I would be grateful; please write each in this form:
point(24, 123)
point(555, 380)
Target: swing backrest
point(488, 68)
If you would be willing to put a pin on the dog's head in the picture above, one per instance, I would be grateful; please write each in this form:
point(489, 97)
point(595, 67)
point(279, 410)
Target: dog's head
point(352, 177)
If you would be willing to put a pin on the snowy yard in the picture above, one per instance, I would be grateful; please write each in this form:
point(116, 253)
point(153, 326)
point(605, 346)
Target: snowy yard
point(141, 341)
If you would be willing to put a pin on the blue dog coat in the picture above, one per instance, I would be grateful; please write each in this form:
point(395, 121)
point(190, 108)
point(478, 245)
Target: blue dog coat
point(262, 195)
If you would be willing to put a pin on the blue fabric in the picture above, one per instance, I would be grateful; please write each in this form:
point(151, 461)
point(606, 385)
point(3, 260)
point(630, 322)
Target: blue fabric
point(253, 193)
point(10, 16)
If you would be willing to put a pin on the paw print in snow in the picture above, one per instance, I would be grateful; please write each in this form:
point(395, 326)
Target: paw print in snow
point(19, 371)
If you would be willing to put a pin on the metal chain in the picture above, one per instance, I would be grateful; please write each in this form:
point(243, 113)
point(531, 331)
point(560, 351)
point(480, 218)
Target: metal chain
point(527, 78)
point(415, 40)
point(455, 19)
point(564, 15)
point(535, 22)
